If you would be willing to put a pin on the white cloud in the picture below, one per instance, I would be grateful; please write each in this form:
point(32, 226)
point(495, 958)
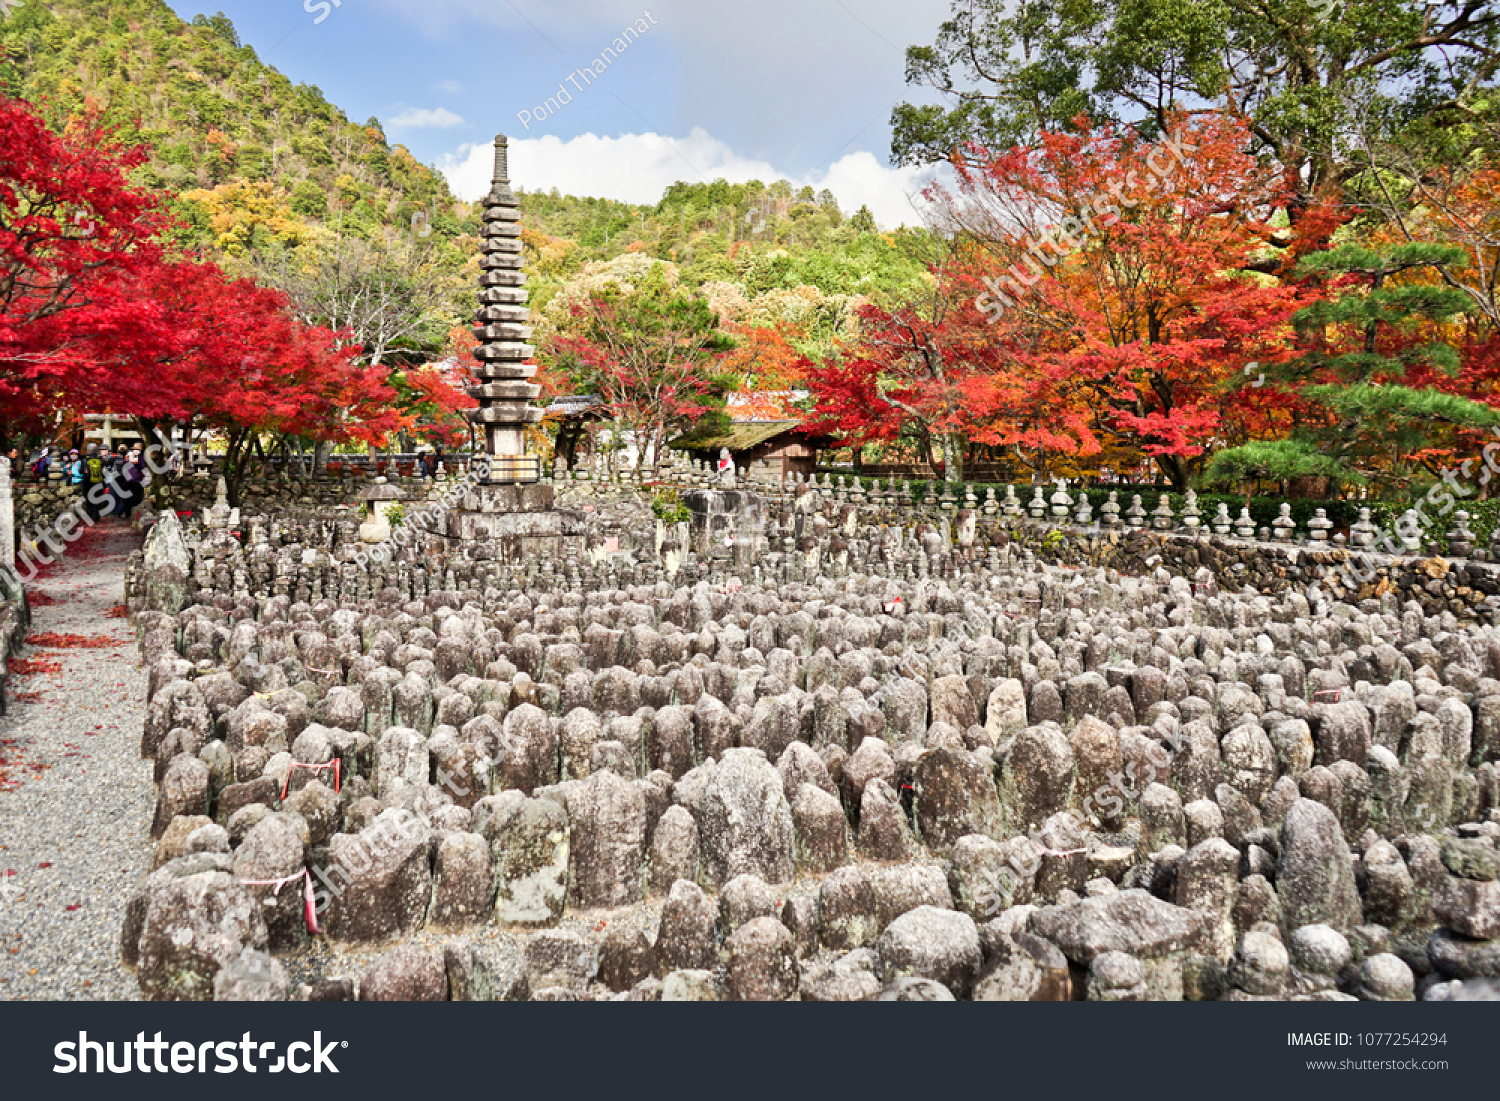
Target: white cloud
point(638, 168)
point(452, 87)
point(423, 117)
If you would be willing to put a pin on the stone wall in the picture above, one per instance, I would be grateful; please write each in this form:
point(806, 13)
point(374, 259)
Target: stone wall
point(15, 616)
point(41, 503)
point(1465, 587)
point(15, 621)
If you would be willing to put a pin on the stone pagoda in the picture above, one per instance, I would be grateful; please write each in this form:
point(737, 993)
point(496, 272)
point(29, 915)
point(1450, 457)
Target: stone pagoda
point(504, 389)
point(506, 505)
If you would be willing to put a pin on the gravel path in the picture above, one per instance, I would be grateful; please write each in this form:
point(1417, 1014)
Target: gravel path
point(75, 797)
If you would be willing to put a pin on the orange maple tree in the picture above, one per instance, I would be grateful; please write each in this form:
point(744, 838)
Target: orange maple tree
point(768, 369)
point(1102, 296)
point(1122, 280)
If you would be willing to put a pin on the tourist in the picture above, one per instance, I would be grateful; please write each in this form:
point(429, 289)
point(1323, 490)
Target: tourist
point(114, 503)
point(121, 492)
point(90, 473)
point(133, 477)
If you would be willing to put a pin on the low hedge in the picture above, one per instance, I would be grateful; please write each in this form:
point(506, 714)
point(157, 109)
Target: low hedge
point(1484, 518)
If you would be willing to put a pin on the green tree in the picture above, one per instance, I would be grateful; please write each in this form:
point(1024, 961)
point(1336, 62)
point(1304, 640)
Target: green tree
point(168, 83)
point(308, 200)
point(1366, 370)
point(650, 349)
point(1302, 70)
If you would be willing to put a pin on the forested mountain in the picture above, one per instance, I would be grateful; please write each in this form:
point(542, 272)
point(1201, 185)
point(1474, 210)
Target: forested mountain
point(260, 168)
point(1223, 294)
point(255, 159)
point(750, 240)
point(267, 179)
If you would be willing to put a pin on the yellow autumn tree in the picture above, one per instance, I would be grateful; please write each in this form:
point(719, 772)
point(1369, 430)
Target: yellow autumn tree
point(242, 214)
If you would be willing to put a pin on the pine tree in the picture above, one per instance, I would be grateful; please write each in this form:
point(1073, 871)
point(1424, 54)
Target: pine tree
point(1362, 374)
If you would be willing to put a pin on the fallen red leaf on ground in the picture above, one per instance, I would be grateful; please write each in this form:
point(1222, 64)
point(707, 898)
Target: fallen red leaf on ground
point(39, 599)
point(54, 641)
point(26, 667)
point(45, 864)
point(117, 612)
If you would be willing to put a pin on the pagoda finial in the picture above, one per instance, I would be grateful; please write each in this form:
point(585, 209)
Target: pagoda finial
point(502, 168)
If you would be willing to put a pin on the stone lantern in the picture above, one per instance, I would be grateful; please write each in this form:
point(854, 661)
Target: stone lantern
point(379, 499)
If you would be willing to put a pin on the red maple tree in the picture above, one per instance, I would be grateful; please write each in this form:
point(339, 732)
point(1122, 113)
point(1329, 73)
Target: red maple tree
point(97, 314)
point(239, 363)
point(72, 229)
point(1119, 276)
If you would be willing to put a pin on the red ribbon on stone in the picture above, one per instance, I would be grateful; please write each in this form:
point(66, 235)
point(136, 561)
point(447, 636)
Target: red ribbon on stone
point(309, 907)
point(333, 764)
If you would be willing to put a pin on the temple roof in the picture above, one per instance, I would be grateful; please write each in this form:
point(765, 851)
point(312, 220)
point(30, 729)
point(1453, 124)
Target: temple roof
point(741, 436)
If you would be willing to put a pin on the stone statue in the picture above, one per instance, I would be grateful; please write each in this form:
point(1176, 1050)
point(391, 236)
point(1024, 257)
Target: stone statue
point(1221, 522)
point(1286, 527)
point(1111, 510)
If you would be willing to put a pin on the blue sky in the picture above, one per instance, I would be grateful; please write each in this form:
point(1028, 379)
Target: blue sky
point(795, 89)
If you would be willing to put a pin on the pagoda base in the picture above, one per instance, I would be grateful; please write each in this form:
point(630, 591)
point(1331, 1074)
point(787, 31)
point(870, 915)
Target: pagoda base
point(512, 522)
point(509, 497)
